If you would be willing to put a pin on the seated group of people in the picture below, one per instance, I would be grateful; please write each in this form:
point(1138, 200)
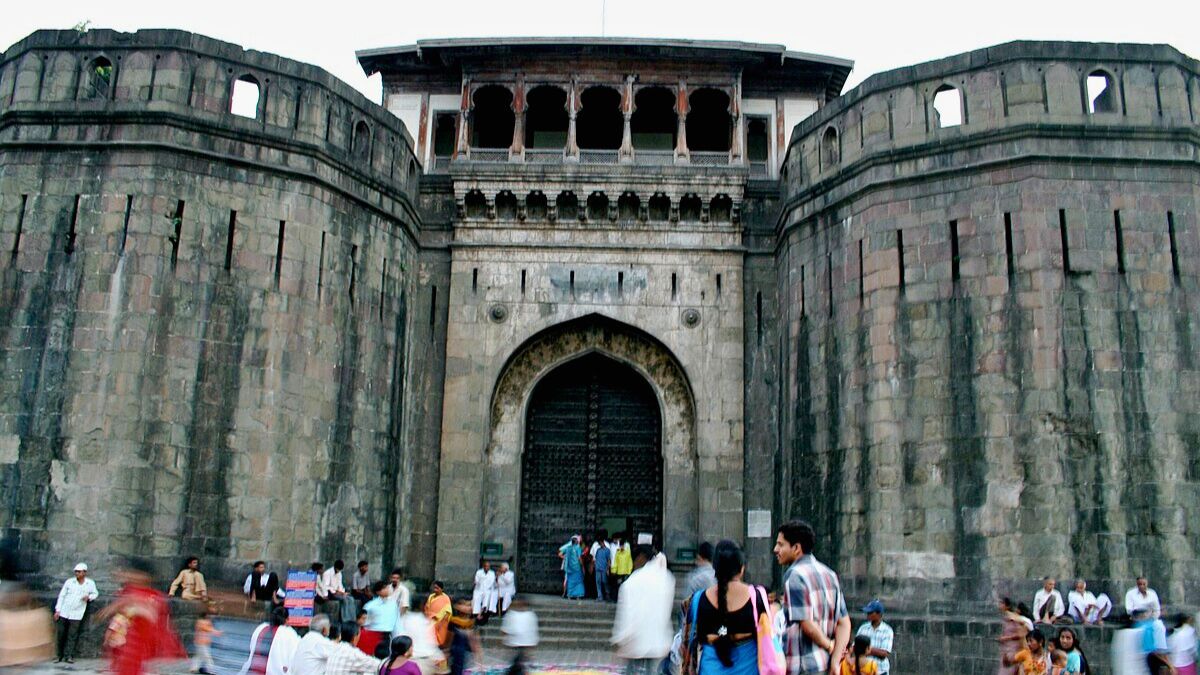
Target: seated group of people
point(1084, 607)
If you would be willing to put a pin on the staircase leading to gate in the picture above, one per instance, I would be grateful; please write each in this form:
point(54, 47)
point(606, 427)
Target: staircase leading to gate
point(564, 625)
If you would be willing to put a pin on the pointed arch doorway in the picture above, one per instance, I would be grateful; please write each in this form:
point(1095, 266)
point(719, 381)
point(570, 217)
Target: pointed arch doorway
point(592, 460)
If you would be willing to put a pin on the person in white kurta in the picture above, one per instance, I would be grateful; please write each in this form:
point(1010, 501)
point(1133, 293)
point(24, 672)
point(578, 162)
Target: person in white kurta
point(506, 586)
point(483, 599)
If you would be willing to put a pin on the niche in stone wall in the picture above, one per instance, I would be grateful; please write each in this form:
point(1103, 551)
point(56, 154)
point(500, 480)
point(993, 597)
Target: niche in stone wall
point(567, 206)
point(535, 205)
point(628, 206)
point(361, 142)
point(475, 204)
point(659, 207)
point(690, 207)
point(506, 205)
point(97, 79)
point(597, 206)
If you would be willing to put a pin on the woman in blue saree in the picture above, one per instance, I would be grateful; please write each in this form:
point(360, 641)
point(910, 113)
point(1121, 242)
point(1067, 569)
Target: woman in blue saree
point(570, 553)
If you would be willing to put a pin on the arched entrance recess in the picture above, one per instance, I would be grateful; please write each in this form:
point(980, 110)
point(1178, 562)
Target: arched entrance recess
point(592, 461)
point(515, 400)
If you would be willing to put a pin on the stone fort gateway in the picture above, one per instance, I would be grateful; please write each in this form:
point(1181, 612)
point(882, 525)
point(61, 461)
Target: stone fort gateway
point(675, 287)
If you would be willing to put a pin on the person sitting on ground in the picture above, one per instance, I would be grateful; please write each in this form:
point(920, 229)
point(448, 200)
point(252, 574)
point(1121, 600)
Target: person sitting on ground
point(857, 662)
point(1048, 604)
point(1141, 596)
point(190, 581)
point(1085, 608)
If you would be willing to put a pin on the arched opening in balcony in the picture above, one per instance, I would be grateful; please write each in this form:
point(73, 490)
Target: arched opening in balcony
point(628, 207)
point(654, 124)
point(597, 206)
point(659, 207)
point(709, 124)
point(567, 205)
point(506, 205)
point(445, 130)
point(475, 204)
point(492, 119)
point(361, 143)
point(1101, 92)
point(720, 209)
point(600, 124)
point(757, 140)
point(243, 100)
point(830, 152)
point(947, 107)
point(98, 79)
point(690, 207)
point(535, 205)
point(546, 118)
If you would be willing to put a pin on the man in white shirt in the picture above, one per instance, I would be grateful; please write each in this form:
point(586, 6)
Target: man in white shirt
point(72, 603)
point(401, 594)
point(642, 629)
point(312, 654)
point(1142, 596)
point(520, 629)
point(1048, 603)
point(335, 591)
point(1086, 608)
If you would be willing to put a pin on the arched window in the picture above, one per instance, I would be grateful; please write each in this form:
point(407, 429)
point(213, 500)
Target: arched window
point(600, 124)
point(659, 207)
point(628, 207)
point(244, 99)
point(492, 119)
point(546, 118)
point(98, 79)
point(654, 124)
point(830, 153)
point(361, 143)
point(506, 205)
point(720, 209)
point(597, 206)
point(709, 124)
point(475, 204)
point(445, 130)
point(535, 205)
point(1101, 92)
point(757, 139)
point(412, 170)
point(690, 207)
point(567, 205)
point(947, 107)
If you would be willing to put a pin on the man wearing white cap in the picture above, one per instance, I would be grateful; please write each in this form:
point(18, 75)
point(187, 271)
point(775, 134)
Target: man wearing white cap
point(72, 602)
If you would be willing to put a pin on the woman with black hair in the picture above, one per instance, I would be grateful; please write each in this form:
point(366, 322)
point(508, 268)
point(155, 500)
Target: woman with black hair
point(1012, 634)
point(1067, 642)
point(1034, 659)
point(727, 617)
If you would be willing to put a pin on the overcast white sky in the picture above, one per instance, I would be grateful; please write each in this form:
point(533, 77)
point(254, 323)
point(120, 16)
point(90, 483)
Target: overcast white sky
point(878, 35)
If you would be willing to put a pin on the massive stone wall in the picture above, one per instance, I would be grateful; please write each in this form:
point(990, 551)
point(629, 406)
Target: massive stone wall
point(988, 330)
point(204, 341)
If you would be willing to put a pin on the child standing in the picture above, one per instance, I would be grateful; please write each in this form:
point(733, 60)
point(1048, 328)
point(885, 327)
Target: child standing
point(857, 662)
point(205, 631)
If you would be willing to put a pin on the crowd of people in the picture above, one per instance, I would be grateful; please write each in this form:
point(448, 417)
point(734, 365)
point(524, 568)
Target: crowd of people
point(594, 568)
point(1043, 642)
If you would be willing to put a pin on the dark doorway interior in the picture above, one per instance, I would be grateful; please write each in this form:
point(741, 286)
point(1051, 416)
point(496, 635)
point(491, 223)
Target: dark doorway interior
point(592, 458)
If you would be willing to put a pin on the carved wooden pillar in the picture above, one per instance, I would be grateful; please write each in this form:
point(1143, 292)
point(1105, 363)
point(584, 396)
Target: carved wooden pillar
point(572, 112)
point(739, 123)
point(681, 109)
point(462, 148)
point(626, 153)
point(516, 152)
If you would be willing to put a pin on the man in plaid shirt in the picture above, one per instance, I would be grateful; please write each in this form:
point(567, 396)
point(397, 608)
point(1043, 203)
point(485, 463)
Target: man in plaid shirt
point(818, 623)
point(346, 658)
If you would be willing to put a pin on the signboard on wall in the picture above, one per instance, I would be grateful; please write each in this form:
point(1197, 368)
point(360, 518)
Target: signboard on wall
point(758, 524)
point(300, 594)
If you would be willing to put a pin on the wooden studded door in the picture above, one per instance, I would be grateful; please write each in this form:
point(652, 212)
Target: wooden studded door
point(592, 455)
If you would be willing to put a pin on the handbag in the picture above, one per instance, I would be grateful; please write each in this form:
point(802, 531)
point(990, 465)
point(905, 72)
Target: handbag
point(771, 660)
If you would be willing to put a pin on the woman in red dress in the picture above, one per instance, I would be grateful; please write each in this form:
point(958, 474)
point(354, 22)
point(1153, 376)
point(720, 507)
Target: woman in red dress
point(139, 623)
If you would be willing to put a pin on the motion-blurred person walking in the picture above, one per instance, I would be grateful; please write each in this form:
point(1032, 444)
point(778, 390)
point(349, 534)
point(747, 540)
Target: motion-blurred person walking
point(642, 629)
point(139, 622)
point(72, 603)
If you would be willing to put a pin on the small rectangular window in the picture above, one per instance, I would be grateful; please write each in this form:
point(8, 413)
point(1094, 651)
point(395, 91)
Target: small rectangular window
point(900, 258)
point(279, 252)
point(444, 128)
point(125, 225)
point(1064, 241)
point(954, 256)
point(70, 247)
point(1009, 262)
point(1120, 242)
point(1174, 246)
point(20, 227)
point(229, 240)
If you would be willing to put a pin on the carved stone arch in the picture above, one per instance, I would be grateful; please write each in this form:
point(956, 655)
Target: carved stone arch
point(555, 346)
